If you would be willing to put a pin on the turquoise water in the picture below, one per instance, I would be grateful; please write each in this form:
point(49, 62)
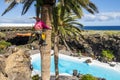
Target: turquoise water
point(67, 66)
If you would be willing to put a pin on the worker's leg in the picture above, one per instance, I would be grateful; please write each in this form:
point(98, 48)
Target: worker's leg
point(41, 37)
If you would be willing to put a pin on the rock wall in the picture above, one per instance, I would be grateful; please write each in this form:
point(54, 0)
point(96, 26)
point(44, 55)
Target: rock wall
point(90, 42)
point(2, 66)
point(16, 66)
point(95, 43)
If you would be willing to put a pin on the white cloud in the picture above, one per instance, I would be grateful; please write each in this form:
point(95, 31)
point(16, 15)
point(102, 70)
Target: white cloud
point(88, 17)
point(107, 16)
point(17, 20)
point(103, 18)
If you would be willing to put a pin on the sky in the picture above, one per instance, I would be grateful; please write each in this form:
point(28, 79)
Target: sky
point(109, 14)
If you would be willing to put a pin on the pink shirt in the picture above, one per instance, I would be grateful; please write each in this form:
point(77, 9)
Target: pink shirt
point(39, 25)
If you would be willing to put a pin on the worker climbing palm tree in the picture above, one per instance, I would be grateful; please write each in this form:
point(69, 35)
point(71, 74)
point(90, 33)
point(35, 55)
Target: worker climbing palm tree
point(39, 28)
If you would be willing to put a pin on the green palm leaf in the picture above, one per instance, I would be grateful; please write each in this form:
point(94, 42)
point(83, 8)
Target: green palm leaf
point(26, 6)
point(93, 7)
point(11, 6)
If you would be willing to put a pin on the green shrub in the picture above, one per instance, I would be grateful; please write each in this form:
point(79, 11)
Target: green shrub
point(88, 77)
point(108, 54)
point(36, 77)
point(3, 45)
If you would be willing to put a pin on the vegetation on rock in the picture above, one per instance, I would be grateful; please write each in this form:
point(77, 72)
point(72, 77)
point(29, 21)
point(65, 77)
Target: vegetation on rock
point(36, 77)
point(88, 77)
point(4, 45)
point(108, 54)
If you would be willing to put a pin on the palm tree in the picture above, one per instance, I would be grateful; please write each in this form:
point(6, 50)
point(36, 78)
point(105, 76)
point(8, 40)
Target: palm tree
point(64, 26)
point(46, 8)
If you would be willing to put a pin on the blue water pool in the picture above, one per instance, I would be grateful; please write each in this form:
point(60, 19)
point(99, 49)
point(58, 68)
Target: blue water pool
point(67, 66)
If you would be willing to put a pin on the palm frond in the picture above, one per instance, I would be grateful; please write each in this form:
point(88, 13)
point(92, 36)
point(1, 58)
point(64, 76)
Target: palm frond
point(83, 3)
point(77, 24)
point(73, 6)
point(37, 8)
point(89, 6)
point(11, 6)
point(93, 7)
point(26, 6)
point(62, 31)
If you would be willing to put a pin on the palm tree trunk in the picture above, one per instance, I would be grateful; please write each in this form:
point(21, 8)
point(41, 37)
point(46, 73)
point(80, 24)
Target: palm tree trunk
point(45, 50)
point(67, 45)
point(56, 57)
